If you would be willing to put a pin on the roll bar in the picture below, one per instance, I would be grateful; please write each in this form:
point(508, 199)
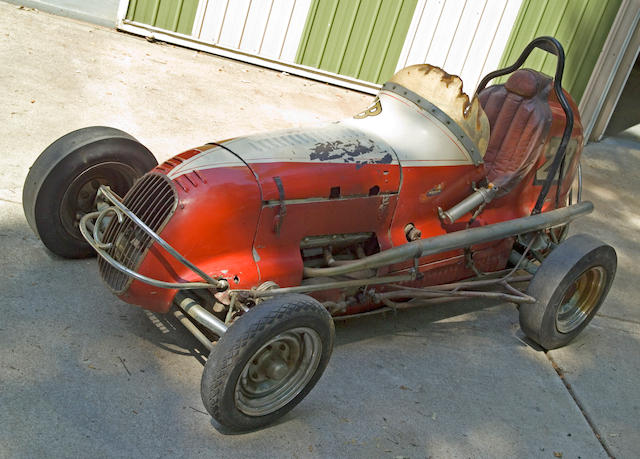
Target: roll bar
point(552, 46)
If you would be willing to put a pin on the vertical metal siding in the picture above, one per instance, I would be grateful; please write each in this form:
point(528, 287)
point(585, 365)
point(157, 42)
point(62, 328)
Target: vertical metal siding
point(582, 26)
point(174, 15)
point(269, 28)
point(358, 38)
point(464, 37)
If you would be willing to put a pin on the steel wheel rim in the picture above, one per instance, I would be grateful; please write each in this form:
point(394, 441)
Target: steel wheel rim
point(278, 371)
point(580, 299)
point(79, 197)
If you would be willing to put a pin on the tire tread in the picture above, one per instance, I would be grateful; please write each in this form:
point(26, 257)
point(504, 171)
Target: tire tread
point(563, 265)
point(239, 338)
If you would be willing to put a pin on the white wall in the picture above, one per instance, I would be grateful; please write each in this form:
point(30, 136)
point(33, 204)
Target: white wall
point(464, 37)
point(268, 28)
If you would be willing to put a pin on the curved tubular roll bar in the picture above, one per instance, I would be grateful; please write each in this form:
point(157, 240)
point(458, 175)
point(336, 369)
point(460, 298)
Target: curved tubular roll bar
point(552, 46)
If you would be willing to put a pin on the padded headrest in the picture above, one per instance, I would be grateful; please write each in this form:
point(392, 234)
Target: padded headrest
point(526, 82)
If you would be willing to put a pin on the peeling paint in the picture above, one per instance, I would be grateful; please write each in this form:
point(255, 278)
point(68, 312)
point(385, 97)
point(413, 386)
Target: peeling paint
point(350, 152)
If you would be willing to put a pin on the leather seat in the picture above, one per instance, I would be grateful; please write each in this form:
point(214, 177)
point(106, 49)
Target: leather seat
point(519, 116)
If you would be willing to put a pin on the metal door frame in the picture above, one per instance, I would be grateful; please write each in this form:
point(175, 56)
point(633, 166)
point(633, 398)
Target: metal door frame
point(192, 42)
point(611, 71)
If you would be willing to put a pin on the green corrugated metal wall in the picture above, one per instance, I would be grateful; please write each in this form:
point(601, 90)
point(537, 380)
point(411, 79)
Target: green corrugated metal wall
point(582, 26)
point(357, 38)
point(174, 15)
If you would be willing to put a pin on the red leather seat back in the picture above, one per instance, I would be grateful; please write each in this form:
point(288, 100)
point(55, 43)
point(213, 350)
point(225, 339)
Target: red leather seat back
point(519, 116)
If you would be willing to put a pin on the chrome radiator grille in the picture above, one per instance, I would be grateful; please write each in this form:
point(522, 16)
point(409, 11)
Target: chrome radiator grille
point(153, 200)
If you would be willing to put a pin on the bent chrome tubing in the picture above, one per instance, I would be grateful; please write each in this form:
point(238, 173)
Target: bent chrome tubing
point(329, 285)
point(458, 240)
point(202, 316)
point(193, 329)
point(119, 209)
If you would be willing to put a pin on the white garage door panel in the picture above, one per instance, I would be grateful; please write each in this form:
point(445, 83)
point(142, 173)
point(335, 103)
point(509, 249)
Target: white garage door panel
point(464, 37)
point(268, 28)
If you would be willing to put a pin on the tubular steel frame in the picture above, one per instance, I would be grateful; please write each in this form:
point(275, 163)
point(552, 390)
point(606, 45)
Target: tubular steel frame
point(411, 250)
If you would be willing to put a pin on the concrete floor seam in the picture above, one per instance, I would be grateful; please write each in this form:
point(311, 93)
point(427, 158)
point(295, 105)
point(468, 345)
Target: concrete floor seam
point(10, 202)
point(576, 400)
point(619, 319)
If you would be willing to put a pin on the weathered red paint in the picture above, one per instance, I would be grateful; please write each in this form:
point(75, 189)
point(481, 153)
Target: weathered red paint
point(230, 223)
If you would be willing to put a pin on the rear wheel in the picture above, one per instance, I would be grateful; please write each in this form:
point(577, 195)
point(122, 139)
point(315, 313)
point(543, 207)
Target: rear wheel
point(569, 287)
point(267, 362)
point(62, 184)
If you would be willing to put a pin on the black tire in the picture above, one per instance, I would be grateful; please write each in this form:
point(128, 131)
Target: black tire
point(569, 287)
point(226, 381)
point(61, 184)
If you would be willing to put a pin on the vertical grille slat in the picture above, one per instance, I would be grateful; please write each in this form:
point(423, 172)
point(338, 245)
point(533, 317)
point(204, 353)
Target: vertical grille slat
point(159, 209)
point(142, 205)
point(138, 197)
point(143, 239)
point(153, 199)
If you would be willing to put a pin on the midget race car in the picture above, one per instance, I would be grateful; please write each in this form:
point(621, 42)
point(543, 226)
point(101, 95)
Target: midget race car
point(256, 244)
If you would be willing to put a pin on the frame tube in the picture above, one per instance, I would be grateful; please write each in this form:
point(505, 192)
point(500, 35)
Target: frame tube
point(458, 239)
point(202, 316)
point(193, 329)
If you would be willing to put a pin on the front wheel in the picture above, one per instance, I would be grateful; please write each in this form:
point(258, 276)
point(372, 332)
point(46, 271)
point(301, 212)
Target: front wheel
point(267, 362)
point(569, 287)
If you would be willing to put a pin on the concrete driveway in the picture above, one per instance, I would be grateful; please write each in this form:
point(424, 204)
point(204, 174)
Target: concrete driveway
point(83, 374)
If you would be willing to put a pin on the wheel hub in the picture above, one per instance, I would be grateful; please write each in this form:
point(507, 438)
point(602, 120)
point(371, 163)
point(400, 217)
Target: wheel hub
point(79, 197)
point(278, 371)
point(580, 299)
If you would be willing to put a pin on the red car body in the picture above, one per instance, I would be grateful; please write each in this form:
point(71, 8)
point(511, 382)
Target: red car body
point(244, 205)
